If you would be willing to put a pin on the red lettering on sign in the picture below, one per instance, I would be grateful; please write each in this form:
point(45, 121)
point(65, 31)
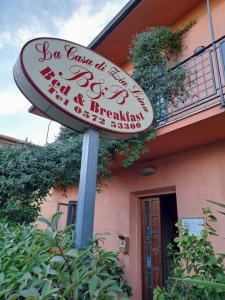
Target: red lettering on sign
point(118, 93)
point(115, 73)
point(138, 94)
point(65, 89)
point(109, 114)
point(101, 66)
point(43, 49)
point(51, 89)
point(81, 73)
point(96, 90)
point(79, 99)
point(55, 86)
point(46, 53)
point(55, 83)
point(70, 53)
point(77, 109)
point(47, 73)
point(94, 107)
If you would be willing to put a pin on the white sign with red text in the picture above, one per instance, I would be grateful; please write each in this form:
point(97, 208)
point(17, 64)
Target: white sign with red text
point(80, 89)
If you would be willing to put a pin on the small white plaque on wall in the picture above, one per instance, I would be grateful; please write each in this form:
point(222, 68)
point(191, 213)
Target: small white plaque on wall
point(194, 225)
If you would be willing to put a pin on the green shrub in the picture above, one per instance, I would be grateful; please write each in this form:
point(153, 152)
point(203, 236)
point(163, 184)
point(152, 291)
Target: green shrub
point(197, 272)
point(17, 212)
point(186, 289)
point(28, 173)
point(42, 265)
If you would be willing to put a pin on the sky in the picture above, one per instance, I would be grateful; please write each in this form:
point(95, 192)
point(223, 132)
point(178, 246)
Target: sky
point(79, 21)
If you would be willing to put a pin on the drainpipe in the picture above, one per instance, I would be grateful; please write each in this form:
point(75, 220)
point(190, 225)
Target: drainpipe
point(215, 53)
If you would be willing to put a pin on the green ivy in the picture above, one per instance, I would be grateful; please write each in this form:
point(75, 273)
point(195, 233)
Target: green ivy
point(28, 173)
point(151, 53)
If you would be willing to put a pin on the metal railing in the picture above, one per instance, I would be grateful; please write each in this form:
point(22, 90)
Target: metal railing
point(202, 85)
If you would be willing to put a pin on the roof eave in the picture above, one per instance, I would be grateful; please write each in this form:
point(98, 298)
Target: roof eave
point(113, 23)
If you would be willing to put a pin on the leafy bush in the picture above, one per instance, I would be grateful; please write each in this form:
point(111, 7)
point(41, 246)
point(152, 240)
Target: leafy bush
point(25, 179)
point(197, 271)
point(28, 173)
point(17, 212)
point(42, 265)
point(190, 289)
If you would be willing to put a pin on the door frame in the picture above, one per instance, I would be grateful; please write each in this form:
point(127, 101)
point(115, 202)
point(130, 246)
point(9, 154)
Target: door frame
point(135, 225)
point(153, 248)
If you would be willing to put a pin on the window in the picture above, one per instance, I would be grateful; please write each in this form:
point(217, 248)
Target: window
point(72, 213)
point(222, 52)
point(69, 211)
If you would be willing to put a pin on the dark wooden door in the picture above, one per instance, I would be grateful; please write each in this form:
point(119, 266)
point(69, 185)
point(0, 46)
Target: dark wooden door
point(151, 246)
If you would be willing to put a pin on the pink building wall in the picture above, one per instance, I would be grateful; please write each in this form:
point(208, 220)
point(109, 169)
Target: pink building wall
point(199, 34)
point(195, 175)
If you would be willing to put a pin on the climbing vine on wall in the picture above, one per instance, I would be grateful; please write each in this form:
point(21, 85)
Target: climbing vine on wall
point(153, 53)
point(28, 173)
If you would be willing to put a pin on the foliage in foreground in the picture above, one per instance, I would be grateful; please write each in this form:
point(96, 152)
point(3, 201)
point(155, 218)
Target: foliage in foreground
point(42, 265)
point(197, 273)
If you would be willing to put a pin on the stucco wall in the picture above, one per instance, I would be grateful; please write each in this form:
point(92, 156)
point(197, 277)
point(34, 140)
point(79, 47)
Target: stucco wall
point(197, 175)
point(199, 34)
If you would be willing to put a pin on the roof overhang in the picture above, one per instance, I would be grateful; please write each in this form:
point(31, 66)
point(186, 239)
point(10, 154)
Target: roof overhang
point(114, 40)
point(6, 140)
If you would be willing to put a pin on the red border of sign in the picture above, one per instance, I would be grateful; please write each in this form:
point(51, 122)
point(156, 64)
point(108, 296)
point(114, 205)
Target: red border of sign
point(59, 107)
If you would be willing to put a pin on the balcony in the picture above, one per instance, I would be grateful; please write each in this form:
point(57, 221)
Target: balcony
point(204, 85)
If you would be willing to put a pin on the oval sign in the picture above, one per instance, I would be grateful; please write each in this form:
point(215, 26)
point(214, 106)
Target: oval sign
point(80, 89)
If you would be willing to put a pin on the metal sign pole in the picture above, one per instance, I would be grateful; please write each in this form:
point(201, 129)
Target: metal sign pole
point(87, 189)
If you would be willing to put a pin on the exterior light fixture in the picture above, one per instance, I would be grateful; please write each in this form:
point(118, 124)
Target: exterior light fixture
point(148, 170)
point(199, 49)
point(123, 244)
